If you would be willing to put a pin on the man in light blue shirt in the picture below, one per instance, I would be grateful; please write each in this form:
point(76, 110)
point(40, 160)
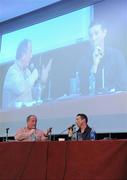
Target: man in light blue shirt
point(19, 80)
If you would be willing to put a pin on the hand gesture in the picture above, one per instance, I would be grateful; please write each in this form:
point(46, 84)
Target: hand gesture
point(70, 132)
point(35, 74)
point(97, 56)
point(45, 71)
point(49, 130)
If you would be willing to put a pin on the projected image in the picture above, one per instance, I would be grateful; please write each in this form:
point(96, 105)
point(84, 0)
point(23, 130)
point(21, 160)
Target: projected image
point(23, 82)
point(62, 59)
point(104, 67)
point(37, 67)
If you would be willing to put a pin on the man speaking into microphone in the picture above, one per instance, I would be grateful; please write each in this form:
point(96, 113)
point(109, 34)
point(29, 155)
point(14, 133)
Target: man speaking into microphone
point(108, 64)
point(84, 132)
point(103, 69)
point(30, 132)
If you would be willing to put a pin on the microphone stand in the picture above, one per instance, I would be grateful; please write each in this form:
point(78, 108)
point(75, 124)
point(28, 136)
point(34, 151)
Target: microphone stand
point(7, 129)
point(64, 131)
point(54, 137)
point(71, 127)
point(50, 136)
point(49, 91)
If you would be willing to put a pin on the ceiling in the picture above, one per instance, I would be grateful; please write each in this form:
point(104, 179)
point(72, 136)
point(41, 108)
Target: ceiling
point(13, 8)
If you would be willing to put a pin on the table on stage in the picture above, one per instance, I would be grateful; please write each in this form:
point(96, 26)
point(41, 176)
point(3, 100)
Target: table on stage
point(74, 160)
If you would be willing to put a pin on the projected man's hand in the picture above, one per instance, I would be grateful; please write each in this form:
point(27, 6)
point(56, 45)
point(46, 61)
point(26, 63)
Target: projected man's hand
point(35, 75)
point(45, 71)
point(97, 56)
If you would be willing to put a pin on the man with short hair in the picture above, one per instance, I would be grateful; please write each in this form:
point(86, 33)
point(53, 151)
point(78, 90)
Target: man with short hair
point(30, 132)
point(104, 69)
point(84, 132)
point(84, 129)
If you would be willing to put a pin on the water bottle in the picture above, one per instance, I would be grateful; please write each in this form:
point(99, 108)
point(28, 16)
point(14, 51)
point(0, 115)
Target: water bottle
point(38, 92)
point(79, 136)
point(92, 134)
point(92, 84)
point(73, 86)
point(77, 83)
point(74, 135)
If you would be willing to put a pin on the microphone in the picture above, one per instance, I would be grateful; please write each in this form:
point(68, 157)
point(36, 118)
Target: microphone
point(49, 133)
point(72, 133)
point(7, 129)
point(99, 52)
point(33, 135)
point(71, 127)
point(50, 130)
point(32, 67)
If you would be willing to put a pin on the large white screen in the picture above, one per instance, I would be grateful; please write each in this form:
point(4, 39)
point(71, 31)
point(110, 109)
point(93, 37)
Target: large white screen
point(70, 47)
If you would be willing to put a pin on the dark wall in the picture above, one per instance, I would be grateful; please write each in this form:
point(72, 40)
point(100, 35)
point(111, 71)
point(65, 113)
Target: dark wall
point(43, 14)
point(113, 13)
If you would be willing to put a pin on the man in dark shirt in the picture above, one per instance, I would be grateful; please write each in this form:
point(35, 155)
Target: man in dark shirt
point(104, 69)
point(84, 130)
point(108, 64)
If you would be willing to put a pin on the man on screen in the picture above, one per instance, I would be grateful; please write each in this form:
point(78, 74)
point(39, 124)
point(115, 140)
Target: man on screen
point(30, 132)
point(106, 66)
point(20, 80)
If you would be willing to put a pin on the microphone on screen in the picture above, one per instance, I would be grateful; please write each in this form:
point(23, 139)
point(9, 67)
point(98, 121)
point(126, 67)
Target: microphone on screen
point(98, 52)
point(32, 67)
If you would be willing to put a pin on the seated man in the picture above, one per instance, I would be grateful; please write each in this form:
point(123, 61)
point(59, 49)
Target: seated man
point(84, 132)
point(30, 132)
